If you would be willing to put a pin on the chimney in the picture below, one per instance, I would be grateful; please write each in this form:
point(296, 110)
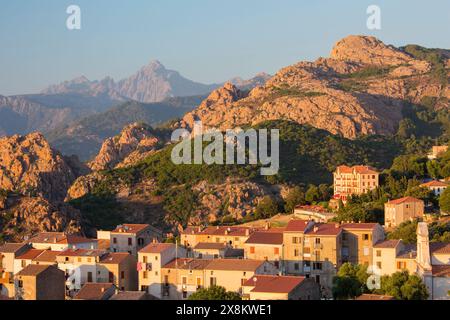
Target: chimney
point(247, 232)
point(199, 229)
point(154, 240)
point(267, 226)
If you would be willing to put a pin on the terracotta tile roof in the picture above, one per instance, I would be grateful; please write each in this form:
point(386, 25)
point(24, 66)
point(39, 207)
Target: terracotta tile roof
point(404, 200)
point(387, 244)
point(261, 237)
point(11, 247)
point(234, 264)
point(114, 257)
point(210, 246)
point(274, 284)
point(220, 230)
point(374, 297)
point(47, 256)
point(59, 238)
point(297, 225)
point(434, 183)
point(94, 291)
point(30, 254)
point(82, 253)
point(34, 269)
point(157, 247)
point(187, 264)
point(325, 229)
point(104, 244)
point(361, 226)
point(130, 228)
point(132, 295)
point(441, 270)
point(357, 169)
point(440, 247)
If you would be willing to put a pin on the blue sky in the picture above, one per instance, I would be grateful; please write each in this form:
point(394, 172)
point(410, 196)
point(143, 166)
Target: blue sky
point(206, 40)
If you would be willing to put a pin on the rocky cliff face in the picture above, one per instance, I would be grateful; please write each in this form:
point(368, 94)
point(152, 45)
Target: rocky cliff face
point(361, 89)
point(29, 166)
point(23, 216)
point(135, 142)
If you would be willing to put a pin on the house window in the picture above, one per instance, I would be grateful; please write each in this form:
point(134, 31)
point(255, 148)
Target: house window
point(366, 251)
point(144, 259)
point(379, 264)
point(401, 265)
point(89, 259)
point(184, 280)
point(317, 240)
point(156, 258)
point(366, 236)
point(184, 294)
point(294, 239)
point(318, 279)
point(378, 253)
point(217, 240)
point(79, 259)
point(296, 266)
point(252, 249)
point(296, 253)
point(115, 240)
point(276, 250)
point(24, 263)
point(122, 275)
point(317, 266)
point(212, 281)
point(145, 275)
point(130, 241)
point(156, 273)
point(89, 277)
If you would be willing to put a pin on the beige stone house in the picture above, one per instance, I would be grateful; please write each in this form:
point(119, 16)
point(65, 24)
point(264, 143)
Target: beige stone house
point(40, 282)
point(8, 253)
point(59, 241)
point(118, 268)
point(401, 210)
point(233, 236)
point(436, 186)
point(96, 291)
point(130, 237)
point(265, 245)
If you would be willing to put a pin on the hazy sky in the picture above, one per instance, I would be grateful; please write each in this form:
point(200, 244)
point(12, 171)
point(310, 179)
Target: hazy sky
point(205, 40)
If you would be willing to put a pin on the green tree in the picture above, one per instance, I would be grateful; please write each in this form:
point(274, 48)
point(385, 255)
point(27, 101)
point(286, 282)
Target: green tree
point(444, 200)
point(313, 194)
point(403, 286)
point(266, 208)
point(434, 169)
point(214, 293)
point(350, 281)
point(405, 231)
point(294, 198)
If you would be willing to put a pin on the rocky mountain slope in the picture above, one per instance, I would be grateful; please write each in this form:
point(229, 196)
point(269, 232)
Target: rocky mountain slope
point(29, 166)
point(361, 89)
point(22, 216)
point(134, 143)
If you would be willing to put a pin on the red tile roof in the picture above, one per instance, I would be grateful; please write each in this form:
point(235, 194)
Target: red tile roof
point(261, 237)
point(387, 244)
point(157, 247)
point(273, 284)
point(187, 264)
point(11, 247)
point(441, 270)
point(297, 225)
point(30, 254)
point(210, 246)
point(114, 257)
point(234, 264)
point(34, 269)
point(82, 253)
point(404, 200)
point(434, 183)
point(130, 228)
point(357, 169)
point(59, 238)
point(325, 229)
point(94, 291)
point(47, 256)
point(362, 226)
point(440, 247)
point(220, 230)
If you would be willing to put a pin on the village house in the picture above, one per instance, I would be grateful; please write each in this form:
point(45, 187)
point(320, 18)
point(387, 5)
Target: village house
point(235, 237)
point(266, 245)
point(354, 180)
point(60, 241)
point(436, 186)
point(129, 237)
point(8, 252)
point(40, 282)
point(212, 250)
point(151, 259)
point(437, 151)
point(118, 268)
point(96, 291)
point(26, 258)
point(390, 256)
point(269, 287)
point(401, 210)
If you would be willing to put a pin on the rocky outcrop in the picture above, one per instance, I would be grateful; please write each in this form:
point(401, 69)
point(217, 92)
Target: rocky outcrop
point(22, 216)
point(135, 142)
point(29, 166)
point(360, 90)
